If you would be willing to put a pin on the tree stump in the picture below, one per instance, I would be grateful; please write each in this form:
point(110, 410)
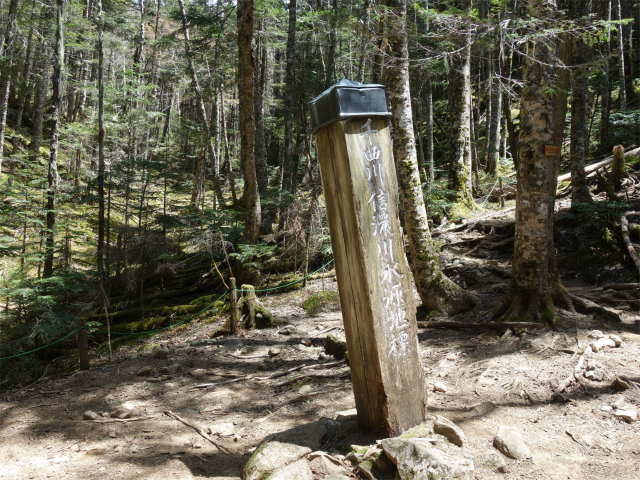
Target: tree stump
point(253, 314)
point(618, 167)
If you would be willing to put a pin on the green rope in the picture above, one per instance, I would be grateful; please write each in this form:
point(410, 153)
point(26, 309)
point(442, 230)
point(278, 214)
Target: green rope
point(170, 326)
point(288, 284)
point(40, 348)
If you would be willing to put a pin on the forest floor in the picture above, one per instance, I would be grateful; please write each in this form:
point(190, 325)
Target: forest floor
point(491, 380)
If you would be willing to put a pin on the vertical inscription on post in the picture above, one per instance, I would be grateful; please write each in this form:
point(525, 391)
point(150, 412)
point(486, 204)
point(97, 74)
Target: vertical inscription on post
point(392, 300)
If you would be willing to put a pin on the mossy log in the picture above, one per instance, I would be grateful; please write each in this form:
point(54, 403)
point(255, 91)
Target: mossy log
point(253, 313)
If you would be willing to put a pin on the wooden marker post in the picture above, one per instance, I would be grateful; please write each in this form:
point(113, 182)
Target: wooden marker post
point(374, 280)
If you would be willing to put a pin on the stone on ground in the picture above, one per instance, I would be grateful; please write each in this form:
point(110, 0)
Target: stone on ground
point(144, 371)
point(160, 351)
point(446, 427)
point(511, 443)
point(628, 415)
point(89, 415)
point(439, 387)
point(299, 470)
point(325, 466)
point(417, 458)
point(491, 459)
point(171, 369)
point(346, 415)
point(272, 457)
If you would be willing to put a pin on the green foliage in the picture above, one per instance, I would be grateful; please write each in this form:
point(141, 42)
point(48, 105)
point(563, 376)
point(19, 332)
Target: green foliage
point(253, 255)
point(321, 302)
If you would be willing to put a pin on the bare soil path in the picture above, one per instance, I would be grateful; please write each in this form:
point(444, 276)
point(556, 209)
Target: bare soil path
point(491, 380)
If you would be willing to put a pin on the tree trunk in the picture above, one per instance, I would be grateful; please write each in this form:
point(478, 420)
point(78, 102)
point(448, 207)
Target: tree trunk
point(205, 119)
point(436, 291)
point(621, 69)
point(5, 52)
point(535, 282)
point(493, 142)
point(289, 105)
point(52, 177)
point(430, 165)
point(261, 148)
point(247, 123)
point(579, 123)
point(460, 171)
point(101, 135)
point(227, 155)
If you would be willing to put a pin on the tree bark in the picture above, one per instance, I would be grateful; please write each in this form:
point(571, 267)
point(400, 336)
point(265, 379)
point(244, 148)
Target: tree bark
point(436, 290)
point(460, 171)
point(52, 177)
point(205, 120)
point(579, 123)
point(535, 282)
point(247, 122)
point(289, 103)
point(7, 58)
point(493, 142)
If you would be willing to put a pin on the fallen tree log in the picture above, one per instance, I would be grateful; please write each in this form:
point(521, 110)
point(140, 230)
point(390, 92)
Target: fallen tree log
point(481, 326)
point(598, 165)
point(624, 226)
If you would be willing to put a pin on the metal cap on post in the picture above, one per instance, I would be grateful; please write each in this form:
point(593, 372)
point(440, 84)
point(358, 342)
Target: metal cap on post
point(347, 99)
point(374, 280)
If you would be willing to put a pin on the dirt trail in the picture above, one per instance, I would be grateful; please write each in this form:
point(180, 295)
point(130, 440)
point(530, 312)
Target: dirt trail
point(490, 381)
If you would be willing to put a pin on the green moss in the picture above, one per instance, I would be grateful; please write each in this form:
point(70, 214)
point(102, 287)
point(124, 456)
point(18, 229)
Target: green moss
point(321, 302)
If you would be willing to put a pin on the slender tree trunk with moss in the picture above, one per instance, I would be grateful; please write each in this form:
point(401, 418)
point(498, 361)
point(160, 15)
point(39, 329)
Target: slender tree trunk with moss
point(205, 120)
point(247, 122)
point(493, 142)
point(579, 123)
point(52, 176)
point(460, 179)
point(436, 290)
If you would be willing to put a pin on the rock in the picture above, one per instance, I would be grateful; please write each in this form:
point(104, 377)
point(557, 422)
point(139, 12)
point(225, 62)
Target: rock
point(511, 443)
point(171, 369)
point(308, 435)
point(416, 458)
point(121, 412)
point(600, 344)
point(287, 330)
point(325, 465)
point(616, 339)
point(144, 371)
point(596, 334)
point(160, 351)
point(439, 387)
point(263, 366)
point(90, 415)
point(335, 346)
point(446, 427)
point(597, 375)
point(304, 389)
point(198, 373)
point(274, 352)
point(323, 357)
point(225, 429)
point(270, 457)
point(299, 470)
point(346, 415)
point(491, 459)
point(606, 408)
point(306, 342)
point(628, 415)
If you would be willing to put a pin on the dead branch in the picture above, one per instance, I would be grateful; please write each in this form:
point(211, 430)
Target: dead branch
point(198, 430)
point(481, 326)
point(317, 334)
point(269, 377)
point(123, 420)
point(240, 357)
point(624, 226)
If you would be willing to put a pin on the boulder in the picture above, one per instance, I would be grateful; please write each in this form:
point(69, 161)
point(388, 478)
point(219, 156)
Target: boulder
point(446, 427)
point(511, 443)
point(299, 470)
point(271, 457)
point(417, 458)
point(90, 415)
